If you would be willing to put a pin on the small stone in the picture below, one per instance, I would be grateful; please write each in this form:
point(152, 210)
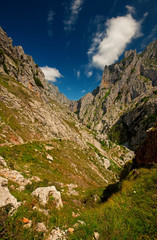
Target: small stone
point(75, 215)
point(71, 230)
point(49, 157)
point(49, 147)
point(81, 222)
point(28, 225)
point(25, 220)
point(3, 162)
point(21, 188)
point(96, 235)
point(41, 227)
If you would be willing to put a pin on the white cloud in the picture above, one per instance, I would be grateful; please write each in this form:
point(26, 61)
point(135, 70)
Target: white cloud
point(51, 73)
point(50, 16)
point(89, 74)
point(78, 74)
point(107, 46)
point(83, 91)
point(75, 8)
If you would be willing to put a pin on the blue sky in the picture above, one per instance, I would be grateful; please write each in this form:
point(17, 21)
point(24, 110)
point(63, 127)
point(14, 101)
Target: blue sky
point(72, 40)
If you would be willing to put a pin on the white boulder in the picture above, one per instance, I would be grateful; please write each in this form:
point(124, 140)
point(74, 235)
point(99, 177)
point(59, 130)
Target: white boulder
point(5, 196)
point(43, 193)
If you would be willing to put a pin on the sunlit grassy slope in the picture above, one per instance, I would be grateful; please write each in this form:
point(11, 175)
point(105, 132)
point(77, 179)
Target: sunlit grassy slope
point(129, 214)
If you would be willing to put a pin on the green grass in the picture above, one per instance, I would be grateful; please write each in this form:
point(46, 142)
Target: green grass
point(106, 95)
point(129, 214)
point(5, 68)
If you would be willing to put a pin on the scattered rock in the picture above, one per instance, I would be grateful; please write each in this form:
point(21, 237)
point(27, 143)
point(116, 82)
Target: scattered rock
point(3, 162)
point(35, 179)
point(5, 196)
point(14, 176)
point(25, 220)
point(57, 234)
point(79, 222)
point(71, 190)
point(75, 215)
point(43, 193)
point(96, 198)
point(71, 230)
point(41, 227)
point(21, 188)
point(49, 147)
point(49, 157)
point(96, 235)
point(28, 225)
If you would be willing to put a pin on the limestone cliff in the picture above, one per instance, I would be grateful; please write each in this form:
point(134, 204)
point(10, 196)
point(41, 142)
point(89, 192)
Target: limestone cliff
point(124, 106)
point(15, 63)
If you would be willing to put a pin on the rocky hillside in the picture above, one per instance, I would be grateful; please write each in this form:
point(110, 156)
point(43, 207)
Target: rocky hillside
point(15, 63)
point(124, 106)
point(53, 170)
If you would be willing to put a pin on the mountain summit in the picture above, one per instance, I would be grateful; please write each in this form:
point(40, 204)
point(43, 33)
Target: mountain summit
point(124, 106)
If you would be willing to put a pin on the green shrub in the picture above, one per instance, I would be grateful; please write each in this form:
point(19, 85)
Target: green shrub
point(1, 52)
point(132, 70)
point(106, 95)
point(38, 82)
point(5, 68)
point(119, 96)
point(145, 99)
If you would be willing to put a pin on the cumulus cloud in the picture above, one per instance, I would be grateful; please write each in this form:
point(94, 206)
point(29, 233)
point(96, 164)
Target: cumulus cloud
point(108, 45)
point(75, 8)
point(51, 73)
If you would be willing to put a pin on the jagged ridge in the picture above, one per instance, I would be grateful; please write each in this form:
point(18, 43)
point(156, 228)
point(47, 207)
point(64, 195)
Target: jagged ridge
point(124, 106)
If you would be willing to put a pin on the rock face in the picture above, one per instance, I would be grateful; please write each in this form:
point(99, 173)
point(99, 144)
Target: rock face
point(126, 100)
point(43, 193)
point(5, 196)
point(146, 154)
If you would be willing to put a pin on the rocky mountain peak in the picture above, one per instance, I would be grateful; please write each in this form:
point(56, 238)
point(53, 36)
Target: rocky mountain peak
point(125, 85)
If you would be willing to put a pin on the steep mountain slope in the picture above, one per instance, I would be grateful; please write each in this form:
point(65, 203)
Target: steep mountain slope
point(124, 106)
point(53, 169)
point(17, 64)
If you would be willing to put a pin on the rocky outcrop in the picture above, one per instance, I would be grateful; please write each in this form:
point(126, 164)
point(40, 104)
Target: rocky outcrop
point(5, 196)
point(127, 91)
point(15, 63)
point(43, 194)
